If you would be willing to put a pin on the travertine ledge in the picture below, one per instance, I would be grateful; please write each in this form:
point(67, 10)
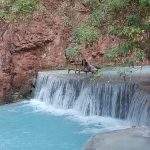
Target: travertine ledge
point(127, 139)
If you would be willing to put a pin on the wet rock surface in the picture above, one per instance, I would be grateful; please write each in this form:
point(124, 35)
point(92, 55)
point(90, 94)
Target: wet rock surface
point(25, 91)
point(127, 139)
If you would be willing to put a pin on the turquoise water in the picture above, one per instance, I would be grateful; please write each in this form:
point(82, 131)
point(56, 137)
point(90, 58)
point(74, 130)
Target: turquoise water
point(24, 126)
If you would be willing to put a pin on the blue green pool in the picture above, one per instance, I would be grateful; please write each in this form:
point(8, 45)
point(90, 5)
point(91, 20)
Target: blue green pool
point(33, 126)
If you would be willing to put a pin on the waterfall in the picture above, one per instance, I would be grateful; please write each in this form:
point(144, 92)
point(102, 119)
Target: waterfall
point(91, 97)
point(139, 112)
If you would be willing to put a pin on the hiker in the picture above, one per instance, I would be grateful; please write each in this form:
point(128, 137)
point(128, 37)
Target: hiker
point(88, 67)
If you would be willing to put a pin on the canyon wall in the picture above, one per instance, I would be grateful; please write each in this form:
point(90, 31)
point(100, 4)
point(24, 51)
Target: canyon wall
point(26, 48)
point(40, 43)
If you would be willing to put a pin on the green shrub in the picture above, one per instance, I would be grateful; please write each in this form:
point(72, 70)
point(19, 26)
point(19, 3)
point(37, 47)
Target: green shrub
point(144, 2)
point(140, 55)
point(111, 54)
point(144, 8)
point(2, 13)
point(98, 17)
point(23, 9)
point(124, 73)
point(127, 32)
point(72, 52)
point(115, 5)
point(86, 34)
point(133, 20)
point(126, 50)
point(92, 4)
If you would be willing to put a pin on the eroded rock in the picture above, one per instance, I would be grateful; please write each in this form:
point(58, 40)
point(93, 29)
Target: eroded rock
point(127, 139)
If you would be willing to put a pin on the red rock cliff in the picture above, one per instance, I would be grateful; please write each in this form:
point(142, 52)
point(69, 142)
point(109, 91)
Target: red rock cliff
point(26, 48)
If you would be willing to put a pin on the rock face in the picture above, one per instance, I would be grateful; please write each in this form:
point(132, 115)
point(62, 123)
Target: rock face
point(26, 48)
point(40, 43)
point(128, 139)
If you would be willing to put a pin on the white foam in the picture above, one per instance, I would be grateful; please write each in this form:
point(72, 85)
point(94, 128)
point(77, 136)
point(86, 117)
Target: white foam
point(92, 124)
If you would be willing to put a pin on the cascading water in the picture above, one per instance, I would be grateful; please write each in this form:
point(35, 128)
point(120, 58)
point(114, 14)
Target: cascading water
point(78, 107)
point(139, 112)
point(91, 97)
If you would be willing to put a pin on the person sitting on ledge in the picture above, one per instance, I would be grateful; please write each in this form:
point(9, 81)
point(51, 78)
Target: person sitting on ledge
point(87, 67)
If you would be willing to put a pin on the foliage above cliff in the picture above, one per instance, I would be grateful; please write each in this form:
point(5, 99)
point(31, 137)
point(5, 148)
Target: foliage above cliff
point(86, 34)
point(128, 20)
point(10, 10)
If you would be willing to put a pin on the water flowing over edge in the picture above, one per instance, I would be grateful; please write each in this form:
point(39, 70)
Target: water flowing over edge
point(85, 97)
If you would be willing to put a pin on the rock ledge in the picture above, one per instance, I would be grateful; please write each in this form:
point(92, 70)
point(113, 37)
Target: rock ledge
point(127, 139)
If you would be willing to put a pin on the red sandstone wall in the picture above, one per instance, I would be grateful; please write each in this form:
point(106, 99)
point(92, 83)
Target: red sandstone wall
point(26, 48)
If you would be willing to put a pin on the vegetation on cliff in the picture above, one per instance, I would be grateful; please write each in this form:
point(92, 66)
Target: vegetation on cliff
point(10, 10)
point(128, 20)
